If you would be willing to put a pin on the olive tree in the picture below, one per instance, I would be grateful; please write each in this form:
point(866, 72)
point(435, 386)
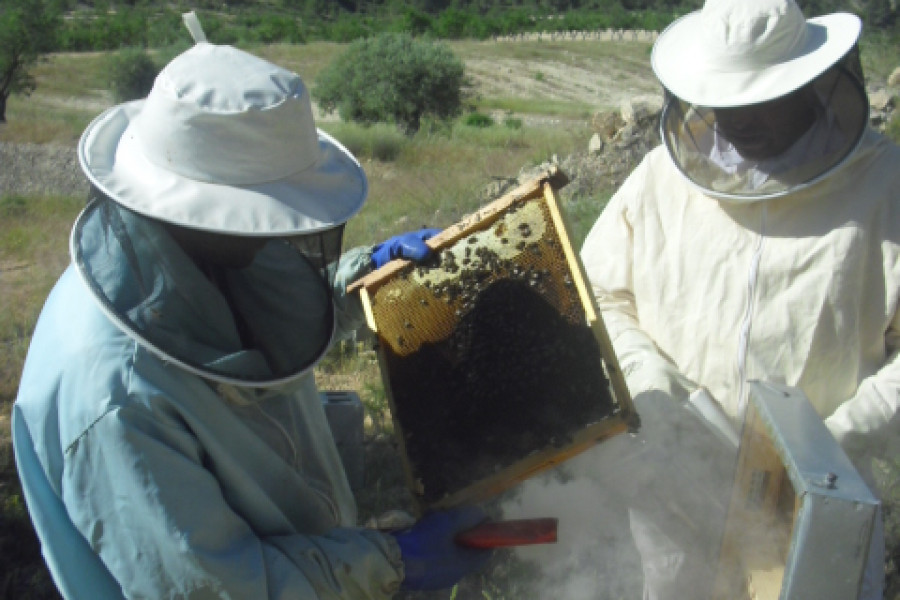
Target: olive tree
point(131, 74)
point(392, 78)
point(27, 30)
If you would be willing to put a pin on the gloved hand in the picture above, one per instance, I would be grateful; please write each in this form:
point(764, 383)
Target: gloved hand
point(409, 245)
point(431, 559)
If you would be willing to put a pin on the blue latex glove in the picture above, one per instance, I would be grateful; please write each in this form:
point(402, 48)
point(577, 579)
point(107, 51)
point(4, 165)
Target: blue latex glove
point(410, 245)
point(431, 559)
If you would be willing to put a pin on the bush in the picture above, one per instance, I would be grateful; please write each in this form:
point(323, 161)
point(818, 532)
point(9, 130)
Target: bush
point(379, 142)
point(477, 119)
point(265, 28)
point(892, 130)
point(513, 123)
point(414, 22)
point(347, 28)
point(131, 74)
point(392, 78)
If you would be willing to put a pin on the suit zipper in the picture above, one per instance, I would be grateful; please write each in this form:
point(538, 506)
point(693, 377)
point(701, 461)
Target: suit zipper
point(746, 324)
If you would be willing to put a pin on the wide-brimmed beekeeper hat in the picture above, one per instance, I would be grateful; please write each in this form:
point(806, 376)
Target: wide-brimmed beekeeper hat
point(225, 142)
point(739, 52)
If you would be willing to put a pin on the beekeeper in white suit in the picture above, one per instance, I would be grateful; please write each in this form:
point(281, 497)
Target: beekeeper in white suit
point(168, 430)
point(760, 241)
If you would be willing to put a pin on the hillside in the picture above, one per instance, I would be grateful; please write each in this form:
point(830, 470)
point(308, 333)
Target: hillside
point(559, 90)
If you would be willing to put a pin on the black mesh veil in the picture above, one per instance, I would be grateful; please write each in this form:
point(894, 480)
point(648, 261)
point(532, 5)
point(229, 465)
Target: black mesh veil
point(698, 146)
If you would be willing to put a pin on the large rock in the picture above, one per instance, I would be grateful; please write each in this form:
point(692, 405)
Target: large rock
point(881, 100)
point(606, 123)
point(882, 104)
point(894, 78)
point(641, 109)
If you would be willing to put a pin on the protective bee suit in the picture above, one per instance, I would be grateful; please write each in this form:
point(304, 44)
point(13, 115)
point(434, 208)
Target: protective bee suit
point(711, 269)
point(241, 489)
point(170, 403)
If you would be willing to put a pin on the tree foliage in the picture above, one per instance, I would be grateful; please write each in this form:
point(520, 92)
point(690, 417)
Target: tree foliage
point(27, 29)
point(113, 24)
point(131, 74)
point(393, 77)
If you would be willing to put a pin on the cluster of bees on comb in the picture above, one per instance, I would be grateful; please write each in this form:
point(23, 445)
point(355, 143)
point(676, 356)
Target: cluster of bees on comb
point(519, 370)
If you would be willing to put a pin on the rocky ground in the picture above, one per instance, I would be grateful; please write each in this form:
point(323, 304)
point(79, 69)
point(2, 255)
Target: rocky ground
point(39, 169)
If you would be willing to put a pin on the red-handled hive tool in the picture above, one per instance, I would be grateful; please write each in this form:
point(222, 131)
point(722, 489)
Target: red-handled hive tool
point(516, 532)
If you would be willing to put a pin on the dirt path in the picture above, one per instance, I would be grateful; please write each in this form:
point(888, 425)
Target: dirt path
point(595, 85)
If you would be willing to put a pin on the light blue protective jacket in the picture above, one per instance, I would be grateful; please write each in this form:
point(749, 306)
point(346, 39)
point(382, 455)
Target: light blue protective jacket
point(188, 485)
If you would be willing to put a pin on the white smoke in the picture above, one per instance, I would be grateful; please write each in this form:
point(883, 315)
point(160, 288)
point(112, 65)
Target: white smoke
point(664, 491)
point(593, 557)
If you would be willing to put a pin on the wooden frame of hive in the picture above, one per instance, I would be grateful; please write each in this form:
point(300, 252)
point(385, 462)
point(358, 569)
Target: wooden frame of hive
point(539, 191)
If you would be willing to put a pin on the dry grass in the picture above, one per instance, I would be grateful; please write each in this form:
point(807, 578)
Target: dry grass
point(431, 179)
point(33, 253)
point(434, 179)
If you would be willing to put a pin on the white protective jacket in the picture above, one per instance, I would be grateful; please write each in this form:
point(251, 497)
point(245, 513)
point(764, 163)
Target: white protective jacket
point(182, 486)
point(801, 290)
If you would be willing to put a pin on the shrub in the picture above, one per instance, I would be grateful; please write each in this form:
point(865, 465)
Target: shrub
point(453, 23)
point(266, 28)
point(131, 74)
point(379, 142)
point(477, 119)
point(415, 22)
point(892, 130)
point(13, 206)
point(347, 28)
point(392, 78)
point(513, 123)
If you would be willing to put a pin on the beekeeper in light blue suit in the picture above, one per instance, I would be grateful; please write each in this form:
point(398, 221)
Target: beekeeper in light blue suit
point(168, 430)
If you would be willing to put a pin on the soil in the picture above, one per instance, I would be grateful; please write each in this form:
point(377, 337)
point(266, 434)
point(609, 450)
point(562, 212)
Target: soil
point(598, 84)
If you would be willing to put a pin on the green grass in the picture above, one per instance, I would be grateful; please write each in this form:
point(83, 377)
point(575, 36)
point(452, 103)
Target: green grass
point(550, 108)
point(878, 53)
point(33, 252)
point(307, 60)
point(39, 121)
point(380, 142)
point(433, 179)
point(430, 179)
point(576, 53)
point(477, 119)
point(893, 129)
point(80, 79)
